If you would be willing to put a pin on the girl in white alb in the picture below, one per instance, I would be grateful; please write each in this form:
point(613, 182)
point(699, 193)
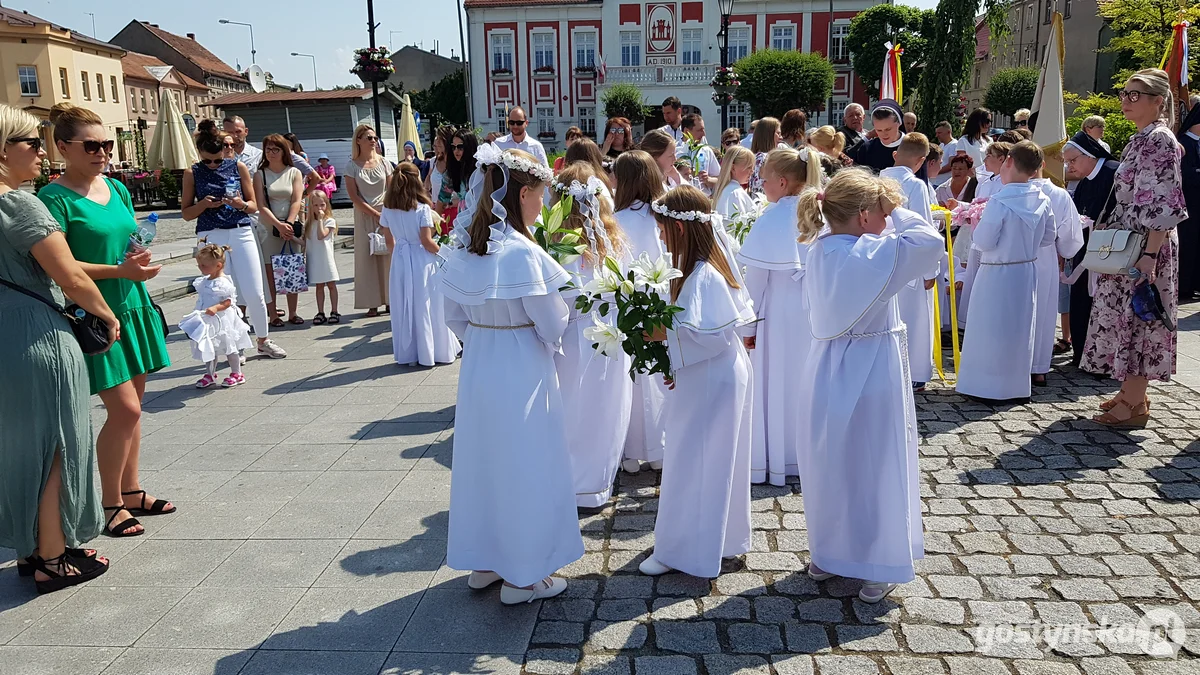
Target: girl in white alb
point(774, 262)
point(729, 197)
point(862, 503)
point(704, 499)
point(512, 506)
point(215, 326)
point(639, 182)
point(419, 331)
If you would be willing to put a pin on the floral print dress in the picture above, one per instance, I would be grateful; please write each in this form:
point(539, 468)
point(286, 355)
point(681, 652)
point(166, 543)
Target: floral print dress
point(1149, 196)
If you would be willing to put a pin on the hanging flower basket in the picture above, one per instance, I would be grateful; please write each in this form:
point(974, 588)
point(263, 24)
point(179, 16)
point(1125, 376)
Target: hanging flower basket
point(722, 98)
point(372, 64)
point(725, 81)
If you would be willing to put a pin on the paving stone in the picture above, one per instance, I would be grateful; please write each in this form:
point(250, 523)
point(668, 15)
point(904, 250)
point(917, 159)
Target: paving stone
point(726, 607)
point(1082, 566)
point(726, 664)
point(605, 665)
point(807, 638)
point(1109, 665)
point(753, 638)
point(876, 638)
point(622, 610)
point(664, 665)
point(974, 665)
point(822, 609)
point(558, 633)
point(741, 583)
point(1032, 564)
point(845, 665)
point(617, 636)
point(688, 638)
point(774, 609)
point(909, 665)
point(551, 661)
point(683, 584)
point(567, 609)
point(629, 587)
point(1143, 587)
point(956, 586)
point(941, 611)
point(674, 608)
point(793, 665)
point(985, 565)
point(1045, 668)
point(774, 562)
point(935, 640)
point(1014, 588)
point(1083, 589)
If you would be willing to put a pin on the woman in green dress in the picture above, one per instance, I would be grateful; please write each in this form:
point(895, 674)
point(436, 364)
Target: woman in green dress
point(96, 214)
point(47, 464)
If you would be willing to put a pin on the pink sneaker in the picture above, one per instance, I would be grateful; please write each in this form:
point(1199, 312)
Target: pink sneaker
point(233, 380)
point(206, 381)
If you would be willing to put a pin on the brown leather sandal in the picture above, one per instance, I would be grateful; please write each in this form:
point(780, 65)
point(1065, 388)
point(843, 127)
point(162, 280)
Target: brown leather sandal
point(1139, 415)
point(1112, 403)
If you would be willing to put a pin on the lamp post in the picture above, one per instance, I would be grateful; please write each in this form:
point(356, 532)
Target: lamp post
point(371, 26)
point(240, 23)
point(314, 62)
point(93, 15)
point(829, 56)
point(726, 8)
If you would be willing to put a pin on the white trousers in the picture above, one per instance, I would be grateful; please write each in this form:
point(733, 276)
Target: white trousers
point(244, 263)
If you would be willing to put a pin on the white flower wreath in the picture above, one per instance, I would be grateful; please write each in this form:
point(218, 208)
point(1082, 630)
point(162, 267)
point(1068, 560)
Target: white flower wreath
point(489, 153)
point(580, 191)
point(661, 209)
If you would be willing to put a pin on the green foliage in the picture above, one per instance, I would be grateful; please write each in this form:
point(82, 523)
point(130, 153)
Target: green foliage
point(953, 45)
point(775, 81)
point(625, 100)
point(168, 185)
point(444, 101)
point(899, 24)
point(1141, 30)
point(1117, 129)
point(564, 244)
point(1011, 89)
point(40, 182)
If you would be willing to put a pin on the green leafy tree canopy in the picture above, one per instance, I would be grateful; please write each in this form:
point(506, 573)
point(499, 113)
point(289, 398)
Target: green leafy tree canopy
point(1011, 89)
point(1141, 29)
point(1117, 129)
point(625, 100)
point(899, 24)
point(952, 43)
point(775, 81)
point(444, 101)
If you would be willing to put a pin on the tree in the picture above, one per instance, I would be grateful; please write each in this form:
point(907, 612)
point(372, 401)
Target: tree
point(775, 81)
point(625, 100)
point(953, 45)
point(1011, 89)
point(444, 101)
point(1117, 129)
point(1141, 29)
point(898, 24)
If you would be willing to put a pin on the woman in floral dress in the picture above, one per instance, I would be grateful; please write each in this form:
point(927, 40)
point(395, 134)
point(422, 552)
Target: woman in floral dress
point(1149, 200)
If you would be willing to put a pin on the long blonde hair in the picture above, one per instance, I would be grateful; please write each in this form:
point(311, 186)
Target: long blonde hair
point(734, 156)
point(829, 140)
point(355, 154)
point(483, 219)
point(848, 193)
point(691, 241)
point(317, 208)
point(15, 123)
point(597, 248)
point(798, 172)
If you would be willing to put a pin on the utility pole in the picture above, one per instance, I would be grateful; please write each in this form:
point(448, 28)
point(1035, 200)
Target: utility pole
point(371, 26)
point(462, 43)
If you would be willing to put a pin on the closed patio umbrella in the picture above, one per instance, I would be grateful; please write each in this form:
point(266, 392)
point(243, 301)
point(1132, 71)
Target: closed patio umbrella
point(172, 148)
point(407, 132)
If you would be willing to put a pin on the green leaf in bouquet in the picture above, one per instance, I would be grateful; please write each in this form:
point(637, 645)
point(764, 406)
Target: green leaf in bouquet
point(568, 237)
point(604, 310)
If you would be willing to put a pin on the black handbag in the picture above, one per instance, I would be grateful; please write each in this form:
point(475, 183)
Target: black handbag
point(90, 330)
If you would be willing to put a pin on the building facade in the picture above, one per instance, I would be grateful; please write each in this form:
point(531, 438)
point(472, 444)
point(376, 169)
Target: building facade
point(555, 58)
point(146, 80)
point(187, 55)
point(44, 64)
point(418, 69)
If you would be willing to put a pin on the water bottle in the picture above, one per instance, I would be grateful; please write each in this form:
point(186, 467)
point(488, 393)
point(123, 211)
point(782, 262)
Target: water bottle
point(233, 187)
point(143, 235)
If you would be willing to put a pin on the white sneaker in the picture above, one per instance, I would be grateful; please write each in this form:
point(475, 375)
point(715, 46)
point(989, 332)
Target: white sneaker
point(656, 465)
point(270, 349)
point(817, 574)
point(874, 591)
point(631, 466)
point(546, 588)
point(242, 357)
point(652, 568)
point(481, 580)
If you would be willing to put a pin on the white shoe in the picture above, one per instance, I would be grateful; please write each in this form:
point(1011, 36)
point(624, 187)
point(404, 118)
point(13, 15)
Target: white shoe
point(270, 349)
point(631, 466)
point(817, 574)
point(481, 580)
point(546, 588)
point(874, 591)
point(652, 568)
point(242, 357)
point(656, 465)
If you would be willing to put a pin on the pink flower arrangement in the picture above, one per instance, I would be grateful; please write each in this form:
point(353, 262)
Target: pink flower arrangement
point(968, 215)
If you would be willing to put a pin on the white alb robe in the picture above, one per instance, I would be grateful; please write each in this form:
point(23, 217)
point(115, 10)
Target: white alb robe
point(704, 498)
point(419, 331)
point(597, 397)
point(512, 506)
point(1068, 239)
point(734, 200)
point(774, 262)
point(916, 303)
point(997, 353)
point(646, 436)
point(859, 473)
point(988, 186)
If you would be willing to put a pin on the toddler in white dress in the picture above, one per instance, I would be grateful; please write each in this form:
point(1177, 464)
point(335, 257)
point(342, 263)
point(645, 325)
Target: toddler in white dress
point(320, 230)
point(215, 326)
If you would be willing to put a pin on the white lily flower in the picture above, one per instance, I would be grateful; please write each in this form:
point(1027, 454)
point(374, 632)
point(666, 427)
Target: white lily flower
point(608, 338)
point(627, 287)
point(604, 282)
point(656, 275)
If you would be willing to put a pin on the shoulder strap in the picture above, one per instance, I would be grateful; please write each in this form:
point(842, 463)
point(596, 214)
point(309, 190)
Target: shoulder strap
point(35, 296)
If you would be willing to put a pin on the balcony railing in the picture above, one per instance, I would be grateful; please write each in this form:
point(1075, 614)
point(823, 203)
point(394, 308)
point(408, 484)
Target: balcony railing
point(699, 75)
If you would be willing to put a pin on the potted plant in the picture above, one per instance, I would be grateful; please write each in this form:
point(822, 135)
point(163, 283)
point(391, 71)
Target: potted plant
point(168, 187)
point(544, 70)
point(372, 64)
point(585, 71)
point(502, 71)
point(724, 81)
point(547, 134)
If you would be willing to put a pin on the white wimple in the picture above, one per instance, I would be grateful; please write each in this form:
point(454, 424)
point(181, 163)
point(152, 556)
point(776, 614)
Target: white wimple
point(662, 209)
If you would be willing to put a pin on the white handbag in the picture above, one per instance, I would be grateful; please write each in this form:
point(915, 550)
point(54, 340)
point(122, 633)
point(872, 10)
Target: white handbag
point(1112, 251)
point(378, 243)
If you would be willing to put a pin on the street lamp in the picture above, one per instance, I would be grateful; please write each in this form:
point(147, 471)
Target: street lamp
point(726, 9)
point(239, 23)
point(314, 61)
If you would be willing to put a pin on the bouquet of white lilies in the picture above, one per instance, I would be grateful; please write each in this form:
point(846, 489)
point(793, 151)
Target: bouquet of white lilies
point(638, 295)
point(739, 223)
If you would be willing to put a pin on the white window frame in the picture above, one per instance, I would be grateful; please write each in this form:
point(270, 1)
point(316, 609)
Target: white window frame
point(116, 88)
point(500, 50)
point(584, 43)
point(783, 36)
point(542, 46)
point(100, 87)
point(839, 110)
point(840, 49)
point(545, 118)
point(87, 86)
point(30, 85)
point(64, 81)
point(691, 46)
point(739, 115)
point(501, 120)
point(587, 121)
point(144, 108)
point(631, 48)
point(739, 43)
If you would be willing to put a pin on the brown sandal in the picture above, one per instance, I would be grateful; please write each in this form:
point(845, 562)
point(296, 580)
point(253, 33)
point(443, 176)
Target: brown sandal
point(1139, 415)
point(372, 313)
point(1112, 403)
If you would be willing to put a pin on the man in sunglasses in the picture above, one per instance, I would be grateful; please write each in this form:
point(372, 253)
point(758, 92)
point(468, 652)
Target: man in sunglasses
point(518, 136)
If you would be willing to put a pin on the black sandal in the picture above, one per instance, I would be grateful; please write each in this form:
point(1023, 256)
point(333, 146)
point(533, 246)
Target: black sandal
point(26, 567)
point(277, 323)
point(319, 319)
point(158, 508)
point(123, 528)
point(334, 317)
point(87, 568)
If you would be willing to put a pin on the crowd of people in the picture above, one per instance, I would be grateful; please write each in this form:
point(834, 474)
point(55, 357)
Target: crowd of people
point(798, 349)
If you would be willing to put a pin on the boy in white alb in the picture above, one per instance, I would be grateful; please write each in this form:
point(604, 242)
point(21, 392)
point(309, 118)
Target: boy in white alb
point(1068, 239)
point(916, 298)
point(1016, 223)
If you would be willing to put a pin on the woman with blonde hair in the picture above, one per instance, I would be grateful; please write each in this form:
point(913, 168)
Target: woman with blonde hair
point(366, 176)
point(831, 143)
point(597, 392)
point(47, 460)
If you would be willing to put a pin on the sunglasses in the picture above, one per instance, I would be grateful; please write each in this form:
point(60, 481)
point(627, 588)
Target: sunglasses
point(457, 146)
point(369, 138)
point(516, 123)
point(94, 147)
point(729, 143)
point(35, 143)
point(272, 148)
point(227, 145)
point(213, 162)
point(1021, 123)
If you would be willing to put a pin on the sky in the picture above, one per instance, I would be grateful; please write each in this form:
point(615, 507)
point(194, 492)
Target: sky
point(330, 30)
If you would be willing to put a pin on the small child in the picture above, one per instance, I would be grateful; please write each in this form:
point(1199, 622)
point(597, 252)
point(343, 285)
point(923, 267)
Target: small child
point(993, 159)
point(684, 168)
point(320, 228)
point(933, 164)
point(216, 325)
point(859, 457)
point(730, 197)
point(774, 273)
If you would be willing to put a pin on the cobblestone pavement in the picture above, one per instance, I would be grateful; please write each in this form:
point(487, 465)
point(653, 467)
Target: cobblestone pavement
point(310, 539)
point(172, 226)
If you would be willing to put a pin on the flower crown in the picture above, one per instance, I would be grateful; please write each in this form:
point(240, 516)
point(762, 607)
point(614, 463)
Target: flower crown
point(489, 153)
point(661, 209)
point(581, 191)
